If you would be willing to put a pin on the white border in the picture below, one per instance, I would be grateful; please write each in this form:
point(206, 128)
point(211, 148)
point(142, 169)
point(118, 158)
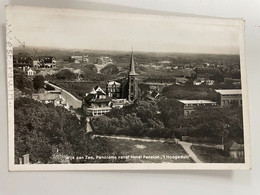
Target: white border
point(130, 166)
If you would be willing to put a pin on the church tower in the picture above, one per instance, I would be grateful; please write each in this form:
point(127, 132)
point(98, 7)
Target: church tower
point(133, 86)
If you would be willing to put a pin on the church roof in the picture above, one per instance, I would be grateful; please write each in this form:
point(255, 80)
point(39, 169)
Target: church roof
point(132, 66)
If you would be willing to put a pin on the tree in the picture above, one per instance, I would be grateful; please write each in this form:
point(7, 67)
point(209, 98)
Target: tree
point(66, 74)
point(22, 82)
point(38, 82)
point(171, 112)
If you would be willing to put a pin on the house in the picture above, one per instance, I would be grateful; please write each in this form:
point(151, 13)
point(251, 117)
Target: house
point(23, 60)
point(30, 72)
point(114, 89)
point(198, 82)
point(119, 103)
point(234, 149)
point(96, 102)
point(209, 82)
point(189, 106)
point(229, 97)
point(47, 62)
point(181, 80)
point(36, 63)
point(48, 98)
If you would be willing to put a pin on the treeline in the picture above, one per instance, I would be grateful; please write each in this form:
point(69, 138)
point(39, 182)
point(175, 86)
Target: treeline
point(140, 119)
point(189, 92)
point(44, 131)
point(144, 119)
point(214, 125)
point(164, 119)
point(25, 84)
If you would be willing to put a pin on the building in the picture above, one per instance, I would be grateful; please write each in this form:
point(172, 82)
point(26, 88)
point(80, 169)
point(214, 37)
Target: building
point(96, 102)
point(36, 63)
point(132, 81)
point(48, 98)
point(236, 82)
point(229, 97)
point(29, 71)
point(119, 103)
point(114, 89)
point(47, 62)
point(104, 60)
point(22, 60)
point(234, 149)
point(191, 105)
point(80, 58)
point(125, 88)
point(198, 82)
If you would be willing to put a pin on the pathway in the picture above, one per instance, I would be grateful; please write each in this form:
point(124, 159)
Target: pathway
point(133, 138)
point(88, 126)
point(186, 146)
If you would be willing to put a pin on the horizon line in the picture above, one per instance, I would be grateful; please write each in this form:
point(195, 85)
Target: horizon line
point(130, 50)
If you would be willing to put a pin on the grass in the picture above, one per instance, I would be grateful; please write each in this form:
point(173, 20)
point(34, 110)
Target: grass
point(139, 149)
point(213, 155)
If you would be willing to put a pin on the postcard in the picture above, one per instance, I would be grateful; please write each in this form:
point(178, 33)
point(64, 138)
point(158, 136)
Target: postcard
point(92, 90)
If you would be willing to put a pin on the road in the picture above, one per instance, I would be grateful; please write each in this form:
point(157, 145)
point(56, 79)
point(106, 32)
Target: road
point(71, 100)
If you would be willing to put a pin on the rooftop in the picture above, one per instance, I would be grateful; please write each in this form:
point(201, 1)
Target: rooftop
point(197, 102)
point(229, 91)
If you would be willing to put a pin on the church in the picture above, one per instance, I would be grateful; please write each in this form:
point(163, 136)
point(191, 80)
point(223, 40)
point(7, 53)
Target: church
point(126, 88)
point(118, 94)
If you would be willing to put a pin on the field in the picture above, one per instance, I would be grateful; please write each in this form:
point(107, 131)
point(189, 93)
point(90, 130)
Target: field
point(213, 155)
point(155, 149)
point(78, 89)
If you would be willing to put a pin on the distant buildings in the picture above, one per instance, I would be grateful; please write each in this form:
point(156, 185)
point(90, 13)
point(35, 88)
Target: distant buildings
point(104, 60)
point(161, 79)
point(80, 58)
point(203, 81)
point(198, 82)
point(191, 105)
point(204, 73)
point(228, 97)
point(24, 60)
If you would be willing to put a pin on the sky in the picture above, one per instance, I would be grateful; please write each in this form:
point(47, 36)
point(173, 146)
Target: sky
point(78, 29)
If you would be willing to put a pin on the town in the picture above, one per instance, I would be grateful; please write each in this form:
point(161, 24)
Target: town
point(191, 101)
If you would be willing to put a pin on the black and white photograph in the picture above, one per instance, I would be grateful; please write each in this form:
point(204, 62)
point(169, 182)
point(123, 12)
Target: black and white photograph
point(93, 90)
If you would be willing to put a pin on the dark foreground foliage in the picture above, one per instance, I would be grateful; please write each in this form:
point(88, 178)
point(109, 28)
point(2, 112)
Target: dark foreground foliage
point(44, 130)
point(164, 119)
